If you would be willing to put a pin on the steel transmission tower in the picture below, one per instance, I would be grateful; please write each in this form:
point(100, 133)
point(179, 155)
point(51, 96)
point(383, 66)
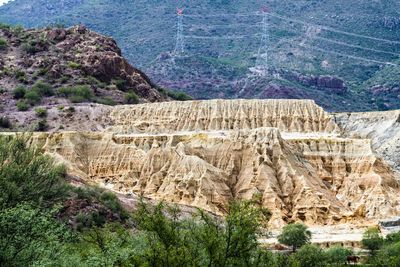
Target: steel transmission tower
point(180, 40)
point(262, 63)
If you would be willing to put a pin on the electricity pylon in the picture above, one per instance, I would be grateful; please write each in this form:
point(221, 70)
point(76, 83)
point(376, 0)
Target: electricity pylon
point(262, 63)
point(180, 40)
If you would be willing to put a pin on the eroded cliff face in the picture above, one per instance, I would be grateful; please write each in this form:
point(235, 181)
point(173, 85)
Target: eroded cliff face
point(383, 128)
point(206, 153)
point(219, 115)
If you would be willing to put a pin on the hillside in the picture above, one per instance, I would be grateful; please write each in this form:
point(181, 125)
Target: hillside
point(49, 71)
point(336, 53)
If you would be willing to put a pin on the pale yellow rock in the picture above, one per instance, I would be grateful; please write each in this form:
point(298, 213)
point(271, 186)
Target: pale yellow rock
point(290, 153)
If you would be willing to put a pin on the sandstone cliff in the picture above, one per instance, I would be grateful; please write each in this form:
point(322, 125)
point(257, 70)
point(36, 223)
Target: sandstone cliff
point(383, 128)
point(206, 153)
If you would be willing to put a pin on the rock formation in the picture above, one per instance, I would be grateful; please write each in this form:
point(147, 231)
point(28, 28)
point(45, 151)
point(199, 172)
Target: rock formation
point(290, 153)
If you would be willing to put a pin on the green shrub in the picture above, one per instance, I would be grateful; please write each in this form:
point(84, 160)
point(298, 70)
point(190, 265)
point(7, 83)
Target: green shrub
point(41, 126)
point(33, 97)
point(180, 96)
point(64, 79)
point(42, 71)
point(22, 105)
point(5, 123)
point(309, 256)
point(19, 92)
point(76, 94)
point(43, 89)
point(20, 75)
point(74, 65)
point(372, 239)
point(393, 237)
point(41, 112)
point(3, 43)
point(131, 98)
point(120, 83)
point(93, 81)
point(337, 256)
point(29, 48)
point(27, 175)
point(106, 101)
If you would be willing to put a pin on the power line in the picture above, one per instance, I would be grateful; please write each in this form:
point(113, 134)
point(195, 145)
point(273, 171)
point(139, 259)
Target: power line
point(221, 37)
point(223, 15)
point(333, 29)
point(348, 56)
point(344, 43)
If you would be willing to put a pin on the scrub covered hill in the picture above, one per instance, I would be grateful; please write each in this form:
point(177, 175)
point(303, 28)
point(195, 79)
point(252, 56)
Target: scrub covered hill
point(342, 54)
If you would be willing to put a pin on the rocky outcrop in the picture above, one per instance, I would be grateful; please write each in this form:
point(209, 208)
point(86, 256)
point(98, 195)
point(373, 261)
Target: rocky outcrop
point(327, 83)
point(217, 115)
point(383, 128)
point(61, 58)
point(203, 154)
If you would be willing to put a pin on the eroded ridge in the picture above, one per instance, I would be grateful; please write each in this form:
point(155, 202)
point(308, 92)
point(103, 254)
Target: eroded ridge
point(286, 115)
point(317, 181)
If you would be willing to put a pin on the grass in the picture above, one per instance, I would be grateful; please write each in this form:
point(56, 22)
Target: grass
point(3, 43)
point(41, 112)
point(131, 98)
point(76, 94)
point(74, 65)
point(22, 105)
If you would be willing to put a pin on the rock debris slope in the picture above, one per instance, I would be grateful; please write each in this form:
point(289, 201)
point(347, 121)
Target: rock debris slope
point(290, 153)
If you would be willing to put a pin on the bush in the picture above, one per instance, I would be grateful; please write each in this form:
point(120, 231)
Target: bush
point(106, 101)
point(393, 238)
point(295, 235)
point(309, 256)
point(121, 84)
point(41, 112)
point(43, 89)
point(22, 105)
point(372, 239)
point(30, 236)
point(27, 175)
point(337, 256)
point(74, 65)
point(41, 126)
point(76, 94)
point(180, 96)
point(131, 98)
point(3, 43)
point(20, 75)
point(32, 97)
point(29, 48)
point(5, 123)
point(19, 92)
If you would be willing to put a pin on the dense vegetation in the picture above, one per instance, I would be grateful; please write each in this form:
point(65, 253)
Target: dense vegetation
point(42, 223)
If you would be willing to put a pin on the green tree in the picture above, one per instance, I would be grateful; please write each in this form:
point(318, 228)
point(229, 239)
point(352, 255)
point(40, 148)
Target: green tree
point(372, 239)
point(295, 235)
point(203, 240)
point(26, 175)
point(388, 256)
point(310, 256)
point(337, 256)
point(29, 236)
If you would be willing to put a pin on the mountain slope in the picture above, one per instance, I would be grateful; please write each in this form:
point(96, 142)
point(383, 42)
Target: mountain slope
point(309, 40)
point(47, 69)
